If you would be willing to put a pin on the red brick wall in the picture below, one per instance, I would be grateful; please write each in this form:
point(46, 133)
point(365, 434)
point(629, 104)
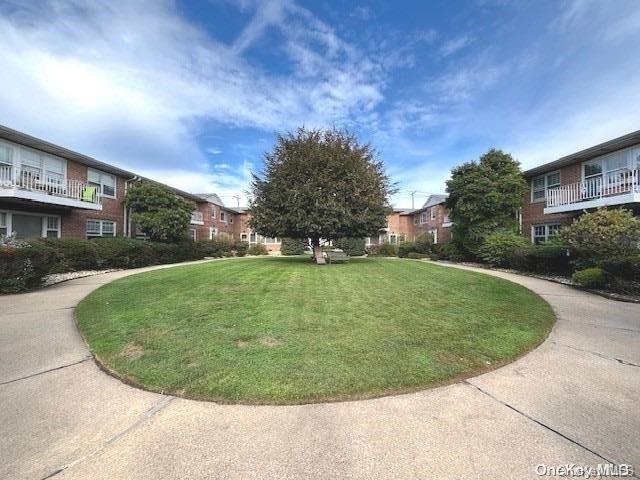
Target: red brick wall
point(74, 222)
point(444, 233)
point(533, 212)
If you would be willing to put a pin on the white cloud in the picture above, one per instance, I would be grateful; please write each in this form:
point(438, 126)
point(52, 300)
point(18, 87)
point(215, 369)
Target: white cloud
point(455, 44)
point(128, 83)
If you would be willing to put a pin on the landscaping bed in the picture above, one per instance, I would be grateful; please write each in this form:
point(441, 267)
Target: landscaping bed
point(285, 331)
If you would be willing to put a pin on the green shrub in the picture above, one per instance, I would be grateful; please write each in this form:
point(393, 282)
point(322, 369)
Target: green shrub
point(216, 247)
point(175, 252)
point(405, 248)
point(119, 252)
point(498, 247)
point(448, 251)
point(423, 243)
point(544, 259)
point(241, 248)
point(258, 249)
point(22, 269)
point(292, 246)
point(625, 268)
point(71, 254)
point(383, 250)
point(605, 233)
point(590, 277)
point(417, 256)
point(354, 247)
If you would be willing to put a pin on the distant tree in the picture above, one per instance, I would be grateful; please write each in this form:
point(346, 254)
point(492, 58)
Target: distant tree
point(158, 212)
point(484, 197)
point(320, 184)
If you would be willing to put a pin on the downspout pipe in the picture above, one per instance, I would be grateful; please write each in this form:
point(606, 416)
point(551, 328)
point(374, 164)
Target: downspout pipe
point(127, 212)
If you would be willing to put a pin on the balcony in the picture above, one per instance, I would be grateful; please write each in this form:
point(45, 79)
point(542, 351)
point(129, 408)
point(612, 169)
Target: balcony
point(197, 218)
point(33, 185)
point(611, 189)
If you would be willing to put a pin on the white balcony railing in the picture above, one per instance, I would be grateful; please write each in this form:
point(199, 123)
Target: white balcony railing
point(56, 186)
point(605, 186)
point(197, 218)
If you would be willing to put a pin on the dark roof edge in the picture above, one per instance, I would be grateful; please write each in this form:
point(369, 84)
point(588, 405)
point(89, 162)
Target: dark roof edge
point(609, 146)
point(26, 140)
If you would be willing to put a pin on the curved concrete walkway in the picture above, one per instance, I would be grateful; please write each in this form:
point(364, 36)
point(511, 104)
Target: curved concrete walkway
point(575, 399)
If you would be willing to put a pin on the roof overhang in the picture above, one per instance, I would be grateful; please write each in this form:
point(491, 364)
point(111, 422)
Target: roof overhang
point(587, 154)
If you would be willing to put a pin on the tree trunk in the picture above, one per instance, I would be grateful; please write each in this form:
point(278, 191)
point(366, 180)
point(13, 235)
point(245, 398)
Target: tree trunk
point(318, 255)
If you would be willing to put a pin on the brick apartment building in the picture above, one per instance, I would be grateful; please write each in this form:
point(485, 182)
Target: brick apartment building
point(607, 174)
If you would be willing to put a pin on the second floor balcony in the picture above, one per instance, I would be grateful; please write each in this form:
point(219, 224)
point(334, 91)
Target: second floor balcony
point(613, 188)
point(40, 187)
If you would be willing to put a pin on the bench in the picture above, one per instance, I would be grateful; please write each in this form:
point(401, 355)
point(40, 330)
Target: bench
point(337, 257)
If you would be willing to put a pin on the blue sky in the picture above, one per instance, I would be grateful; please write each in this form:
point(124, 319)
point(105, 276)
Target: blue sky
point(193, 93)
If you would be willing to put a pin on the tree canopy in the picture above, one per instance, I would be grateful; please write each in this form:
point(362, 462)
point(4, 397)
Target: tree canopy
point(484, 197)
point(320, 184)
point(158, 212)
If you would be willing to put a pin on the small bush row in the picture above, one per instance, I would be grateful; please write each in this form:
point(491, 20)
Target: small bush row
point(23, 268)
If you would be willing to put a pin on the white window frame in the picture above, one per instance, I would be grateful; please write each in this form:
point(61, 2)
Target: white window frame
point(101, 229)
point(16, 160)
point(100, 173)
point(424, 218)
point(213, 232)
point(546, 236)
point(194, 234)
point(271, 240)
point(546, 185)
point(434, 212)
point(223, 216)
point(243, 237)
point(213, 211)
point(44, 225)
point(434, 234)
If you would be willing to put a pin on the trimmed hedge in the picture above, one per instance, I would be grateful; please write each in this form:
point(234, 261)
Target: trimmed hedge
point(590, 277)
point(383, 250)
point(354, 247)
point(417, 256)
point(23, 268)
point(258, 249)
point(292, 246)
point(544, 259)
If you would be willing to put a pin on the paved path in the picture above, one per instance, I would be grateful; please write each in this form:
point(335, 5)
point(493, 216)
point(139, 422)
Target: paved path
point(575, 399)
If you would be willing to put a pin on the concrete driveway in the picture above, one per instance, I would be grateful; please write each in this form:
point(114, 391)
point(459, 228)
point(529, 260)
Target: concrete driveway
point(574, 400)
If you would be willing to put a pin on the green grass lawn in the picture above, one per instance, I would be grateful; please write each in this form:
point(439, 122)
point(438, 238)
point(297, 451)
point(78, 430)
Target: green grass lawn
point(282, 330)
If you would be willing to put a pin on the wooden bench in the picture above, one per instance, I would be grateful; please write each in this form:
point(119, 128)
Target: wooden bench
point(337, 257)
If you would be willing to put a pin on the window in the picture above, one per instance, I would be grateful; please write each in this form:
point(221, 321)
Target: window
point(393, 239)
point(540, 185)
point(213, 211)
point(223, 217)
point(423, 217)
point(4, 226)
point(231, 218)
point(416, 219)
point(243, 237)
point(104, 182)
point(212, 232)
point(29, 225)
point(39, 167)
point(446, 218)
point(434, 211)
point(101, 228)
point(6, 155)
point(434, 235)
point(542, 233)
point(253, 238)
point(53, 227)
point(613, 165)
point(194, 234)
point(270, 240)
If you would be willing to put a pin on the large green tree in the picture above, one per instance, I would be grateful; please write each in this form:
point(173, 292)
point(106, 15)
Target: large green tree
point(484, 197)
point(159, 212)
point(321, 185)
